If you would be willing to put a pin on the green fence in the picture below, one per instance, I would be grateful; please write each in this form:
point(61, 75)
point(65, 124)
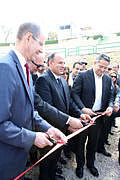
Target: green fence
point(84, 50)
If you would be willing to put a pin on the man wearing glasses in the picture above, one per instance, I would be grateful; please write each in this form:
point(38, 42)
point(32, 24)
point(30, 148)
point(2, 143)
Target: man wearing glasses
point(17, 115)
point(36, 66)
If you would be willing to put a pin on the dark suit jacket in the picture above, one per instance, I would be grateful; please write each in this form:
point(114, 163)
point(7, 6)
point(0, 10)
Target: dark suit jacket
point(34, 78)
point(50, 113)
point(83, 91)
point(48, 88)
point(16, 117)
point(118, 80)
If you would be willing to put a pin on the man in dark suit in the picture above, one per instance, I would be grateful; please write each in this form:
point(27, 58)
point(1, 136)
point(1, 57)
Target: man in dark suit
point(92, 93)
point(57, 94)
point(17, 115)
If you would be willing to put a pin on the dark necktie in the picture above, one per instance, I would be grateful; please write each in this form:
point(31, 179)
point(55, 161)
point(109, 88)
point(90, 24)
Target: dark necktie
point(28, 73)
point(61, 86)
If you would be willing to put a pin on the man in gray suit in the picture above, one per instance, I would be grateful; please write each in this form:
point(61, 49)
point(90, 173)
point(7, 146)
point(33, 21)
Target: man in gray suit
point(17, 115)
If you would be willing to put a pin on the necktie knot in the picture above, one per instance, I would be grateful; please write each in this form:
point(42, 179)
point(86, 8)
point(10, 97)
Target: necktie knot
point(27, 67)
point(28, 73)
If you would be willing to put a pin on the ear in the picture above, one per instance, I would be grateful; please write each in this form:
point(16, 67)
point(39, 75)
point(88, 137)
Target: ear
point(28, 36)
point(50, 62)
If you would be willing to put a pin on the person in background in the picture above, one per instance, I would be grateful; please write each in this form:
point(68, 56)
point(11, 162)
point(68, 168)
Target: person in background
point(109, 69)
point(115, 67)
point(17, 115)
point(84, 63)
point(116, 110)
point(77, 66)
point(116, 90)
point(35, 64)
point(66, 74)
point(41, 69)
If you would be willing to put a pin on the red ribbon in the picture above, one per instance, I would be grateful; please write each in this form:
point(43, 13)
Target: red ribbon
point(61, 143)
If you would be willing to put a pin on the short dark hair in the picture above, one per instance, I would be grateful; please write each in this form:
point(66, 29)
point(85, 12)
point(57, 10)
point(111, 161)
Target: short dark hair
point(28, 27)
point(51, 57)
point(103, 56)
point(80, 63)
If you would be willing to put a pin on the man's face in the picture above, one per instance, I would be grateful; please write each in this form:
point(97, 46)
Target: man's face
point(76, 69)
point(38, 60)
point(100, 67)
point(115, 68)
point(57, 65)
point(34, 46)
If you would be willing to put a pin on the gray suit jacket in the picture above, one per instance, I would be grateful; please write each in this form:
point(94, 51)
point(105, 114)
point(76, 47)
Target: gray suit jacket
point(16, 118)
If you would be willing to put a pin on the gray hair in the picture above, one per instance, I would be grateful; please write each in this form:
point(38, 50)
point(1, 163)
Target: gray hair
point(28, 27)
point(103, 56)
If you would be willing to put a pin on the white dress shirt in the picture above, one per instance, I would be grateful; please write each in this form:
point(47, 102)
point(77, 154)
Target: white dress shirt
point(98, 93)
point(22, 61)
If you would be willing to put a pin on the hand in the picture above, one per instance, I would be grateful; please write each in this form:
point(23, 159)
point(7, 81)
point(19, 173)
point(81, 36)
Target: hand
point(88, 111)
point(75, 123)
point(85, 117)
point(41, 140)
point(116, 108)
point(108, 111)
point(72, 129)
point(57, 134)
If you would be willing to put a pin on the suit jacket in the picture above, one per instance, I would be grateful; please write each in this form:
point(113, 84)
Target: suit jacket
point(47, 87)
point(83, 91)
point(50, 113)
point(34, 78)
point(16, 118)
point(118, 80)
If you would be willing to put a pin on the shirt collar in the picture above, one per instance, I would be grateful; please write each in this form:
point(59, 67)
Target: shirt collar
point(96, 76)
point(20, 57)
point(21, 60)
point(56, 77)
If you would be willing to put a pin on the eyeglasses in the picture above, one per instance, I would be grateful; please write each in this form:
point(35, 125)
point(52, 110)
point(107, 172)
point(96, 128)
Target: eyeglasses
point(36, 39)
point(82, 62)
point(113, 77)
point(38, 65)
point(65, 73)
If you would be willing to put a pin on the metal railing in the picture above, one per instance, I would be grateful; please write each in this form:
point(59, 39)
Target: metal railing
point(89, 49)
point(76, 51)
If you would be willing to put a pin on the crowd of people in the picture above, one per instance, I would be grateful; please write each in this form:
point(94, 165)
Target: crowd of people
point(43, 100)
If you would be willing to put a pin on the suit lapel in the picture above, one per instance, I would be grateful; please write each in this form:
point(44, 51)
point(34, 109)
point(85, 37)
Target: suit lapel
point(66, 93)
point(20, 70)
point(103, 87)
point(92, 81)
point(55, 84)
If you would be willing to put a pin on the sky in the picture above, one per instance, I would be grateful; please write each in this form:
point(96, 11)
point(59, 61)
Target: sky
point(101, 15)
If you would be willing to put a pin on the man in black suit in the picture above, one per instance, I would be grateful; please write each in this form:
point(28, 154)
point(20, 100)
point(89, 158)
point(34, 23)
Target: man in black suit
point(46, 110)
point(54, 90)
point(92, 93)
